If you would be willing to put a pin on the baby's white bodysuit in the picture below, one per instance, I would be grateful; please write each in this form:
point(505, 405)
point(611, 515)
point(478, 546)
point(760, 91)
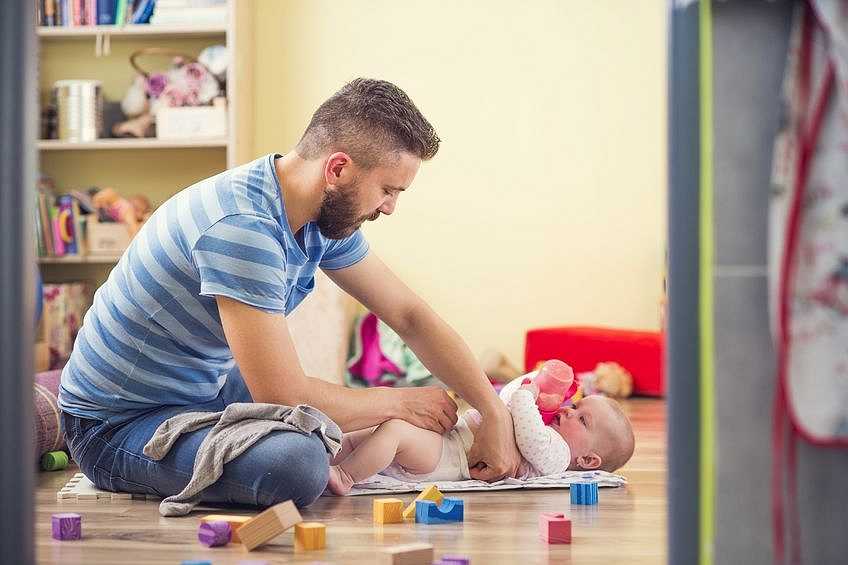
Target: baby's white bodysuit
point(543, 450)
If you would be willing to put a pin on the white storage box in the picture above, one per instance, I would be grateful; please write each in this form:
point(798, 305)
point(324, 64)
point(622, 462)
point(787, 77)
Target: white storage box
point(191, 122)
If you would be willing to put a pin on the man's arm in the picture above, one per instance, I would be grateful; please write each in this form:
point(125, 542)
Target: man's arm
point(265, 353)
point(442, 351)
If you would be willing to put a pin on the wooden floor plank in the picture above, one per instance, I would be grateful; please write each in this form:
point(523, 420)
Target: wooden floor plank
point(627, 526)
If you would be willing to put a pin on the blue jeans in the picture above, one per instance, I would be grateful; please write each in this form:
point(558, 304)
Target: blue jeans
point(281, 466)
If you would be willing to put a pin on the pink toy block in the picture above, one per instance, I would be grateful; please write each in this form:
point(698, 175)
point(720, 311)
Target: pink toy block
point(214, 533)
point(67, 526)
point(554, 527)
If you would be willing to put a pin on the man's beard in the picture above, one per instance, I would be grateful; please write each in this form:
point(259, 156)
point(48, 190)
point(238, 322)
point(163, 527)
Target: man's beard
point(337, 218)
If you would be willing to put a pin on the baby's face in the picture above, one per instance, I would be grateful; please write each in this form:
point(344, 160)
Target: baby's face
point(584, 426)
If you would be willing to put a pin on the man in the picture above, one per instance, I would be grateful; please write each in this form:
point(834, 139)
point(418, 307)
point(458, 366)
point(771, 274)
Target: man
point(193, 316)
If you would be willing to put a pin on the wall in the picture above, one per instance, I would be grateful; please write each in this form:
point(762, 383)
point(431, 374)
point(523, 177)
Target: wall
point(546, 203)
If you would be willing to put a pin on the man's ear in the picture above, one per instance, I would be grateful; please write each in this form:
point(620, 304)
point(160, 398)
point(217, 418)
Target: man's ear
point(589, 461)
point(334, 168)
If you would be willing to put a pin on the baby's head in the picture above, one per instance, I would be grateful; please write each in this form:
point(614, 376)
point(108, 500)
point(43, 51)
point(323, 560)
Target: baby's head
point(597, 431)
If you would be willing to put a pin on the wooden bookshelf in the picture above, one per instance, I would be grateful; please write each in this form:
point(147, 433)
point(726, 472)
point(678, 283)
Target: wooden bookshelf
point(149, 166)
point(130, 31)
point(130, 143)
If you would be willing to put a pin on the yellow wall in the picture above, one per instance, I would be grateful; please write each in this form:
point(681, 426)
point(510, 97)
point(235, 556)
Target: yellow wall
point(545, 204)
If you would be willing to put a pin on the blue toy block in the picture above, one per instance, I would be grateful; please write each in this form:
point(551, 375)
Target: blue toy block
point(584, 493)
point(450, 510)
point(196, 562)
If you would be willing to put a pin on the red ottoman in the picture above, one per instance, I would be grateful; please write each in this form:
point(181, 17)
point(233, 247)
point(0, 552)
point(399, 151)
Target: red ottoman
point(640, 352)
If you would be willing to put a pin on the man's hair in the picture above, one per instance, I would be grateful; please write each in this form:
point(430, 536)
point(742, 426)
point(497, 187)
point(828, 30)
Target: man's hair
point(620, 442)
point(367, 119)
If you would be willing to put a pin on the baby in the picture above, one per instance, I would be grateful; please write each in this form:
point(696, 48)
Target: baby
point(594, 434)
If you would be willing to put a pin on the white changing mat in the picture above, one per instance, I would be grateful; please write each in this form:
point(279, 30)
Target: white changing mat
point(380, 484)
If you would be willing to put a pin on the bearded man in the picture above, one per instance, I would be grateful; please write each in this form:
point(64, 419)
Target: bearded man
point(193, 317)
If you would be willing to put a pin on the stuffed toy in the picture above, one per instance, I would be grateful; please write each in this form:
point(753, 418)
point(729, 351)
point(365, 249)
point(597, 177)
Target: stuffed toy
point(609, 379)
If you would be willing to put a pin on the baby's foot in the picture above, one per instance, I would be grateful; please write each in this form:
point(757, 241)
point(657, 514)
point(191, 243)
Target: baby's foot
point(340, 482)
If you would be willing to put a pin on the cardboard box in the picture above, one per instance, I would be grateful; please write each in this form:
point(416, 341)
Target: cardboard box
point(106, 238)
point(191, 122)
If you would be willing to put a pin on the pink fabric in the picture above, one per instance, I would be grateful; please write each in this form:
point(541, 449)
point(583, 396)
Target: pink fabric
point(48, 432)
point(372, 364)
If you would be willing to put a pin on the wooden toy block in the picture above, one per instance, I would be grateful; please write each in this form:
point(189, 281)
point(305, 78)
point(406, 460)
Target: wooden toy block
point(554, 527)
point(309, 536)
point(429, 512)
point(584, 493)
point(67, 526)
point(269, 524)
point(214, 533)
point(429, 493)
point(235, 523)
point(388, 510)
point(412, 554)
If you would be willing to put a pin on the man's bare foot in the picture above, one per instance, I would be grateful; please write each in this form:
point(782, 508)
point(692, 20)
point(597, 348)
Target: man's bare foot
point(340, 482)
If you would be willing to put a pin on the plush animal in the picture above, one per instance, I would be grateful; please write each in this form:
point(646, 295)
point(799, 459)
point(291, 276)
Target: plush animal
point(609, 379)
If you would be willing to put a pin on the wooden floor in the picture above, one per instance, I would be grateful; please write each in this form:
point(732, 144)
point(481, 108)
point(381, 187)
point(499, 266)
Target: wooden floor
point(627, 526)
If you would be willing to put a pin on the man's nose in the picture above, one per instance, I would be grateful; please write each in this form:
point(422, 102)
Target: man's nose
point(388, 205)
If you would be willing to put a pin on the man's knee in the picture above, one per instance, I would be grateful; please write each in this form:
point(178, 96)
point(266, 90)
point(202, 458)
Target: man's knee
point(297, 469)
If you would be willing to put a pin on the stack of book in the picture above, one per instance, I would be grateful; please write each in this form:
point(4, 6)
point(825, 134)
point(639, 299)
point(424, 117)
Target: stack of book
point(60, 223)
point(71, 13)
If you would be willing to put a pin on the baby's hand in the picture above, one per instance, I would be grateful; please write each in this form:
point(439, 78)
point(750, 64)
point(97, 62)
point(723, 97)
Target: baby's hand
point(529, 385)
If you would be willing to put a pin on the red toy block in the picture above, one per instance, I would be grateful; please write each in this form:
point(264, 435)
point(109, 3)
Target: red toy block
point(582, 347)
point(554, 527)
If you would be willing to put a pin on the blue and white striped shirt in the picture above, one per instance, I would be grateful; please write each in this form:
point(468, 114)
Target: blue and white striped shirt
point(153, 335)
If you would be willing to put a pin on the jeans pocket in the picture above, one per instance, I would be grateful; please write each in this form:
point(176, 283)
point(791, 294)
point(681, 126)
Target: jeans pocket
point(78, 434)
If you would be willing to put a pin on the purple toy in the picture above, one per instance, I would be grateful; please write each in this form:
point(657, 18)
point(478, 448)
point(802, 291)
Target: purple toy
point(454, 560)
point(215, 533)
point(67, 526)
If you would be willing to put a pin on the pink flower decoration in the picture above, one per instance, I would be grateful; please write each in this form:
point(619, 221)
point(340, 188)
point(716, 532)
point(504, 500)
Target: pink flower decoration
point(173, 97)
point(156, 83)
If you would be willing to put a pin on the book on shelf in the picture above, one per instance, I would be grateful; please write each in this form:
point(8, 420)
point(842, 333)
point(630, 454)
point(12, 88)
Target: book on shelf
point(65, 223)
point(73, 13)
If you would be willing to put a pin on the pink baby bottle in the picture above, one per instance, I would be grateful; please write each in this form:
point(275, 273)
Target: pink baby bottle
point(555, 381)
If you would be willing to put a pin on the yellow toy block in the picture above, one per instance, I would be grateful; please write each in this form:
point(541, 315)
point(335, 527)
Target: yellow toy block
point(235, 523)
point(388, 510)
point(429, 493)
point(309, 536)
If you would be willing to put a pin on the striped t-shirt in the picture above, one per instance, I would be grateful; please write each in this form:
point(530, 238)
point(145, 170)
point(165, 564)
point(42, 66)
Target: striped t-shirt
point(153, 335)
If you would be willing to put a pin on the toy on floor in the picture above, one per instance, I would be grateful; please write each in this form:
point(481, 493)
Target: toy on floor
point(429, 493)
point(67, 526)
point(54, 461)
point(269, 524)
point(214, 533)
point(446, 511)
point(609, 379)
point(554, 527)
point(309, 536)
point(196, 562)
point(388, 510)
point(412, 554)
point(235, 523)
point(584, 493)
point(453, 560)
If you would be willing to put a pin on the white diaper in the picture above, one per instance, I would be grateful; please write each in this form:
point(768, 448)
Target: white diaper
point(453, 465)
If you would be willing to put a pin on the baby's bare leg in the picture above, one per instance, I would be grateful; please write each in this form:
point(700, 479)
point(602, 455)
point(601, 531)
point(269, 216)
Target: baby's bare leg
point(415, 449)
point(350, 441)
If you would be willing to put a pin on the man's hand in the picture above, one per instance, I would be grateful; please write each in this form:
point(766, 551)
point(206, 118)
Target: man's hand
point(428, 407)
point(494, 454)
